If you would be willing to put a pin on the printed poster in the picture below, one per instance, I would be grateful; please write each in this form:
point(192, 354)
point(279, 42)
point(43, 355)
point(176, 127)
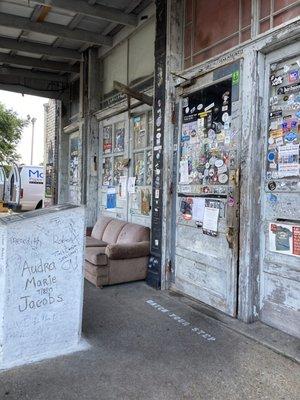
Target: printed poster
point(288, 160)
point(284, 239)
point(111, 200)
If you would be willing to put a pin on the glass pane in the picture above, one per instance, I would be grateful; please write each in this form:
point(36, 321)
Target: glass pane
point(107, 172)
point(139, 168)
point(149, 168)
point(107, 139)
point(139, 132)
point(118, 169)
point(119, 137)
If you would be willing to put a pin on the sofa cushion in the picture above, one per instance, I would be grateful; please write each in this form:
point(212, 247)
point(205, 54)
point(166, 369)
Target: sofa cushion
point(132, 233)
point(121, 251)
point(112, 231)
point(92, 242)
point(100, 226)
point(96, 255)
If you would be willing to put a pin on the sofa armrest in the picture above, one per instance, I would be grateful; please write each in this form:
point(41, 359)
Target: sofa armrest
point(121, 251)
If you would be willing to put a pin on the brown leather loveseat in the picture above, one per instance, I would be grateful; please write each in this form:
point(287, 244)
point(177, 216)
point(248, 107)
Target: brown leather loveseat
point(117, 251)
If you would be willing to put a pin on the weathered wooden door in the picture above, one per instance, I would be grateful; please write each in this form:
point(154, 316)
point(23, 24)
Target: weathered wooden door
point(280, 227)
point(206, 250)
point(75, 168)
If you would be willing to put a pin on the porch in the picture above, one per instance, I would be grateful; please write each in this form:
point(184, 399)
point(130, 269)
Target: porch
point(147, 344)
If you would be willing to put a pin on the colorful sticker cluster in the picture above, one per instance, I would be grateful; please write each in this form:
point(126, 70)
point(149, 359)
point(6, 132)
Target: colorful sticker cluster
point(284, 126)
point(205, 145)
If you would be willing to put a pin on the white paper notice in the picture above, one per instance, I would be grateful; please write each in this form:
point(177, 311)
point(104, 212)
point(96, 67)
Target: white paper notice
point(131, 184)
point(198, 209)
point(123, 186)
point(184, 171)
point(288, 160)
point(210, 219)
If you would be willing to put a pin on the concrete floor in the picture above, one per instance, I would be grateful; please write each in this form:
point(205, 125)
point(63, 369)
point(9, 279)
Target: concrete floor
point(140, 352)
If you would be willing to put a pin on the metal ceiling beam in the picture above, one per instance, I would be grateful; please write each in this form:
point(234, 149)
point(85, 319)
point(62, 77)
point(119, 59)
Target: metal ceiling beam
point(37, 48)
point(47, 28)
point(24, 73)
point(95, 11)
point(36, 63)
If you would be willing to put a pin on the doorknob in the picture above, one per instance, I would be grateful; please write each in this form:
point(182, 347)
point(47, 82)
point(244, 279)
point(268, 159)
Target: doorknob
point(230, 236)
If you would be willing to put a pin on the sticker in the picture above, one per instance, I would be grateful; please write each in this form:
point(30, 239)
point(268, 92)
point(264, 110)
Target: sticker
point(276, 80)
point(227, 139)
point(209, 107)
point(211, 134)
point(222, 169)
point(273, 100)
point(223, 178)
point(212, 161)
point(199, 107)
point(211, 172)
point(219, 163)
point(271, 156)
point(272, 199)
point(207, 165)
point(235, 77)
point(289, 89)
point(225, 97)
point(276, 133)
point(290, 137)
point(225, 117)
point(224, 108)
point(276, 114)
point(231, 201)
point(185, 102)
point(193, 110)
point(187, 110)
point(293, 76)
point(271, 140)
point(279, 141)
point(272, 185)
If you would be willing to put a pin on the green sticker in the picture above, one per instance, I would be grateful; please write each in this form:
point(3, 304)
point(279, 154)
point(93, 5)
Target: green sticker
point(235, 77)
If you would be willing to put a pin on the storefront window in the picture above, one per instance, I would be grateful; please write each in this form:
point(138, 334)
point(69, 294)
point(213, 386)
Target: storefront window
point(139, 132)
point(107, 139)
point(119, 136)
point(118, 169)
point(142, 149)
point(107, 172)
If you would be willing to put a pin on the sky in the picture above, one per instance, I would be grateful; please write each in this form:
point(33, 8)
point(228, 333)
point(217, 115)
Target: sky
point(33, 106)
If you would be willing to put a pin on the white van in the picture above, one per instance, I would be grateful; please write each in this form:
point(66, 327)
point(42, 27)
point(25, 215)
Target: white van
point(25, 187)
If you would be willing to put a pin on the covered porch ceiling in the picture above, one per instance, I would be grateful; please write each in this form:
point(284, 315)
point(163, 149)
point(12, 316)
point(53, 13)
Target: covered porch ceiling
point(41, 41)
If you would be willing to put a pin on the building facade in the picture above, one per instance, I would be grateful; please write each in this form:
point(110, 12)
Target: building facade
point(202, 145)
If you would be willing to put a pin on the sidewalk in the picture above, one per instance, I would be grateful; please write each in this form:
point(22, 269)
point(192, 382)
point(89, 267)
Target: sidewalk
point(146, 344)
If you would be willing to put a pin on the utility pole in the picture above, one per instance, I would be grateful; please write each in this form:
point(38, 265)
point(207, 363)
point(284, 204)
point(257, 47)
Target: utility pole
point(33, 120)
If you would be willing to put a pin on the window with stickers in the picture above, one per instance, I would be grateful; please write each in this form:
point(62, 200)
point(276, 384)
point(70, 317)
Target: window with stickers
point(113, 153)
point(142, 148)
